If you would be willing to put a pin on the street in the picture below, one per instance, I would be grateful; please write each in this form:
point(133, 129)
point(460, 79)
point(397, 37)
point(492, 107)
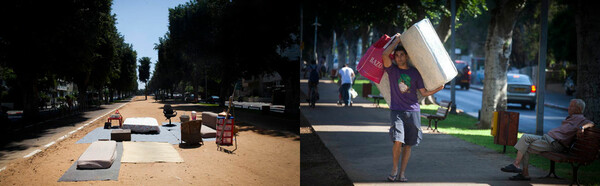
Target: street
point(470, 102)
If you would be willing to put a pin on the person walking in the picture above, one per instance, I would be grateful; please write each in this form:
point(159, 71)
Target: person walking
point(313, 82)
point(346, 75)
point(556, 140)
point(405, 130)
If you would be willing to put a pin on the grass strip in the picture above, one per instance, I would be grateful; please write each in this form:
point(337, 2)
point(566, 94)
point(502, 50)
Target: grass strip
point(463, 126)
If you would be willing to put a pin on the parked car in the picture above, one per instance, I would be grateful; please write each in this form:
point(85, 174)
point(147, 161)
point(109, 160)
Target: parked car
point(189, 97)
point(520, 89)
point(213, 99)
point(569, 84)
point(464, 75)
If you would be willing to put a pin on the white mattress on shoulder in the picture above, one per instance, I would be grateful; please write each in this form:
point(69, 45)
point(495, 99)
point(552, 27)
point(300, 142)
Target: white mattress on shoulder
point(99, 155)
point(141, 125)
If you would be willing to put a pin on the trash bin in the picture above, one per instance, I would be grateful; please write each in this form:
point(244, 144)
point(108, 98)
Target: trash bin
point(505, 127)
point(366, 89)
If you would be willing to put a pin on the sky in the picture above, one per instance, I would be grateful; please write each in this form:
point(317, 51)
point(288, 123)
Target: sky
point(142, 22)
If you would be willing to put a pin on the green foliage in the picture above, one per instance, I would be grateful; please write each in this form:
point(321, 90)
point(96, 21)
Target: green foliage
point(76, 41)
point(562, 44)
point(144, 69)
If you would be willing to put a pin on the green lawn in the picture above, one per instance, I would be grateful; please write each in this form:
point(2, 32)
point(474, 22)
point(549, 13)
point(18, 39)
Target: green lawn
point(463, 127)
point(208, 104)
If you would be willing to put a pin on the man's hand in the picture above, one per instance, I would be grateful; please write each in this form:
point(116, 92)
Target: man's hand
point(582, 129)
point(580, 132)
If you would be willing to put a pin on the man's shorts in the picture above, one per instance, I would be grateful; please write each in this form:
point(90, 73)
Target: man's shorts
point(406, 127)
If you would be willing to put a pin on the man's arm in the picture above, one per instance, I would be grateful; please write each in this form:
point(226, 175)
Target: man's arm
point(387, 61)
point(582, 129)
point(426, 93)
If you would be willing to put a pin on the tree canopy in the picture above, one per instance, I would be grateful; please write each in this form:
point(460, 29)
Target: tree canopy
point(75, 41)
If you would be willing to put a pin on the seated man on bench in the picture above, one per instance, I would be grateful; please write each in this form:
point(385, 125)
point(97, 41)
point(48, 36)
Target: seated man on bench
point(557, 140)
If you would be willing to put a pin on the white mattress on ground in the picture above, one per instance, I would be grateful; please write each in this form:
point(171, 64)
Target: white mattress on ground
point(141, 125)
point(99, 155)
point(428, 55)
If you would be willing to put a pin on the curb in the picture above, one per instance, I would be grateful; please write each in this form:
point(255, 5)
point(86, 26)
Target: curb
point(34, 152)
point(545, 104)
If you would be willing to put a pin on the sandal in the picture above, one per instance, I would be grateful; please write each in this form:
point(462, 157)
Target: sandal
point(511, 168)
point(519, 177)
point(403, 179)
point(392, 178)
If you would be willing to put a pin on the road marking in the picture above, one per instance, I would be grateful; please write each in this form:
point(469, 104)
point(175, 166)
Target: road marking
point(49, 144)
point(32, 153)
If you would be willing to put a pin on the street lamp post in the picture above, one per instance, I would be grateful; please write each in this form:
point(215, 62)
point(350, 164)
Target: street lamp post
point(316, 24)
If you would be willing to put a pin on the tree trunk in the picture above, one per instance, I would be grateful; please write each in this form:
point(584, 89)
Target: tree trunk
point(352, 50)
point(341, 51)
point(30, 96)
point(292, 88)
point(364, 31)
point(588, 58)
point(498, 47)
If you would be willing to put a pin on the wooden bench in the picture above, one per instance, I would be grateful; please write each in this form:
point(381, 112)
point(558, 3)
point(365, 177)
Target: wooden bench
point(583, 152)
point(376, 99)
point(440, 115)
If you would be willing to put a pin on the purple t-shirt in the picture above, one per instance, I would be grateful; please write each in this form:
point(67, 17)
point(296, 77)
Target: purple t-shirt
point(404, 85)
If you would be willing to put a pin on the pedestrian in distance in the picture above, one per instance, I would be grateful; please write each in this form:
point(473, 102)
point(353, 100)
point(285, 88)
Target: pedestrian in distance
point(556, 140)
point(313, 82)
point(405, 130)
point(346, 75)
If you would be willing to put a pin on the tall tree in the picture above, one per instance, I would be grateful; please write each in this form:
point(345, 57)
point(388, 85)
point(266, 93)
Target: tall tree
point(588, 58)
point(498, 47)
point(144, 72)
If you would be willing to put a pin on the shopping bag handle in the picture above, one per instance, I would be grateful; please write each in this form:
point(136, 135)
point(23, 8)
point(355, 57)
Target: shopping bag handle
point(389, 42)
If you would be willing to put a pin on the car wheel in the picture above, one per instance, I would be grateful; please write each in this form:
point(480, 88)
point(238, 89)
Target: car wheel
point(467, 86)
point(532, 106)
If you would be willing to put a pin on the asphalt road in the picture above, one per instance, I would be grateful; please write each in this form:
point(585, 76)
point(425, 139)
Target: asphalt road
point(470, 102)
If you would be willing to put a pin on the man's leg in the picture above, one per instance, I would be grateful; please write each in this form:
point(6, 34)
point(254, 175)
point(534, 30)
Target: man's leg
point(522, 145)
point(396, 151)
point(405, 158)
point(348, 97)
point(345, 91)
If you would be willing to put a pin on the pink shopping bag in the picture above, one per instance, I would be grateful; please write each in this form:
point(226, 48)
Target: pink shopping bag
point(371, 63)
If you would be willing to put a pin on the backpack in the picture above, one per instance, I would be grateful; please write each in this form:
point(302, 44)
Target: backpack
point(314, 74)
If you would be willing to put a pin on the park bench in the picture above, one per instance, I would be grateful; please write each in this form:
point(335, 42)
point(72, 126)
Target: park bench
point(440, 115)
point(376, 99)
point(583, 152)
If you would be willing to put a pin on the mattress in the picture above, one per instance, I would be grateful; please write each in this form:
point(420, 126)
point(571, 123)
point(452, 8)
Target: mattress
point(99, 155)
point(142, 125)
point(209, 119)
point(428, 55)
point(208, 132)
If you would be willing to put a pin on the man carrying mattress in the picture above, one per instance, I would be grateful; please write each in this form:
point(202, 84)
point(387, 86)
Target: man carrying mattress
point(405, 129)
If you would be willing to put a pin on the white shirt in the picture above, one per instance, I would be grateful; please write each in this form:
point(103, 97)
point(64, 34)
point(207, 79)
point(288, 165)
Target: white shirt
point(346, 74)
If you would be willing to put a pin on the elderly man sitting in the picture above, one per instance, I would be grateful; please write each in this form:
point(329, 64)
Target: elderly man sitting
point(557, 140)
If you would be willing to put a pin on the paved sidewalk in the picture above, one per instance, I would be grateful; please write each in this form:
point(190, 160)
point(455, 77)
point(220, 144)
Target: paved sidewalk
point(33, 139)
point(358, 138)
